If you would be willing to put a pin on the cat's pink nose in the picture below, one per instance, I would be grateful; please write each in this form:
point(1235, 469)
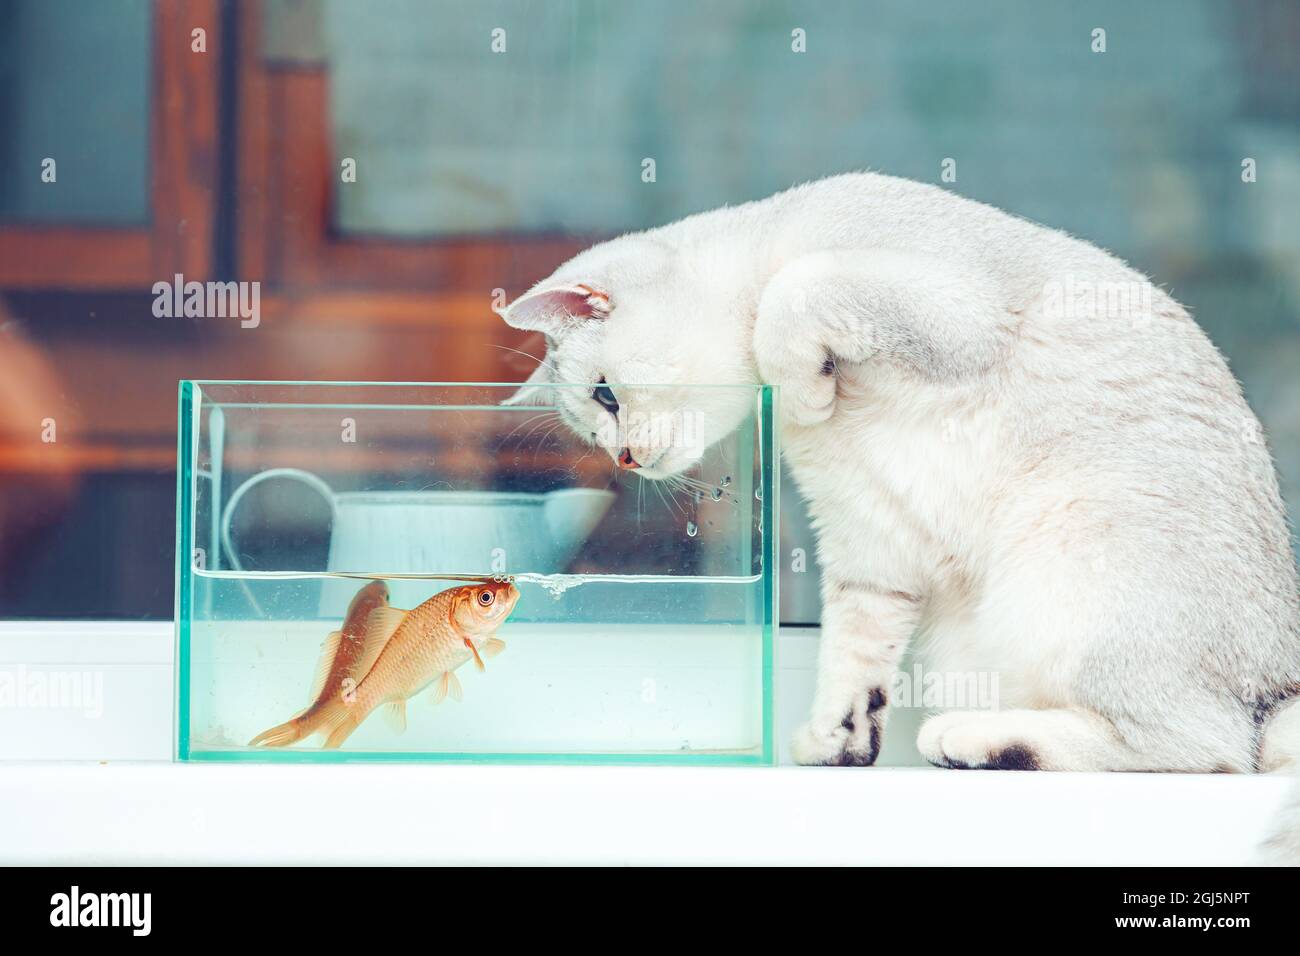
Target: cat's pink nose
point(625, 459)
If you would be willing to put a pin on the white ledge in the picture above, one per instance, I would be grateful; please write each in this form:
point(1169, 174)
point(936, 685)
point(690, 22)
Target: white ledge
point(101, 789)
point(189, 814)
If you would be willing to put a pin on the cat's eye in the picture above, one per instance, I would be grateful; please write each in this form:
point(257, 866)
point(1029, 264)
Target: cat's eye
point(603, 394)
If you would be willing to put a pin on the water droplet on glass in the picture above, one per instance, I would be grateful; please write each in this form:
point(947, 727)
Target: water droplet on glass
point(758, 494)
point(726, 480)
point(716, 494)
point(691, 529)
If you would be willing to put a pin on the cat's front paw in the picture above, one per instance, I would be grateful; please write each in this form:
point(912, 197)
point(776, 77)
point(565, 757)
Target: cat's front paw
point(806, 399)
point(834, 747)
point(966, 740)
point(804, 373)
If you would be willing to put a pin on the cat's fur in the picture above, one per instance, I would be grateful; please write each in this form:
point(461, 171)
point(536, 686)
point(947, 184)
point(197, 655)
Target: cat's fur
point(1282, 845)
point(1014, 448)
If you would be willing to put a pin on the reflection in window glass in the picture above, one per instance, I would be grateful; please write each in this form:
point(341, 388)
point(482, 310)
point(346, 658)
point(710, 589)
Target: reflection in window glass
point(74, 110)
point(594, 118)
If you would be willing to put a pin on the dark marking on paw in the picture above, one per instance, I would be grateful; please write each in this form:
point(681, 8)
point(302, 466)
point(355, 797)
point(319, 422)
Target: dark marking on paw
point(863, 758)
point(856, 758)
point(876, 699)
point(828, 365)
point(1015, 757)
point(852, 755)
point(946, 762)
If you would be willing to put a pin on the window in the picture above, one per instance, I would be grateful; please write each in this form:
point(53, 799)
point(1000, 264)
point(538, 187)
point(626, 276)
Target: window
point(472, 170)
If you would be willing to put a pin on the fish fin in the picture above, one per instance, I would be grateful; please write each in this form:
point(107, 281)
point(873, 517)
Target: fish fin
point(478, 661)
point(328, 651)
point(290, 732)
point(395, 716)
point(493, 646)
point(453, 687)
point(439, 693)
point(382, 623)
point(337, 721)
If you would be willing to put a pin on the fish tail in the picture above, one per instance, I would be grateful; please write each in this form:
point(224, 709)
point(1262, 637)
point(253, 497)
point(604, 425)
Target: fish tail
point(282, 735)
point(298, 727)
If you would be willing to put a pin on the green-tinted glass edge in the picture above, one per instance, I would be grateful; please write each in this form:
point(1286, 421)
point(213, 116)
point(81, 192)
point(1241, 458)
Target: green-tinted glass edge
point(769, 479)
point(184, 546)
point(199, 383)
point(754, 759)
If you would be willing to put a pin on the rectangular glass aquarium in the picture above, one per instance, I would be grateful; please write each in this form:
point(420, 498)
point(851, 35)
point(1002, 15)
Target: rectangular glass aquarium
point(405, 571)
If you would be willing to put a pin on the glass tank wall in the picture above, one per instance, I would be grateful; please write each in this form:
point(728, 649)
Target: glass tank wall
point(642, 623)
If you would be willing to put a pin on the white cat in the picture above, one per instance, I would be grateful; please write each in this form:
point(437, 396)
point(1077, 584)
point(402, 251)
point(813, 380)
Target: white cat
point(1014, 448)
point(1282, 845)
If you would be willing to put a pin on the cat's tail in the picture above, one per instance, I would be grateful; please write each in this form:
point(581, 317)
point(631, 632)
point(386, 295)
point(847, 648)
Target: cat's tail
point(1279, 747)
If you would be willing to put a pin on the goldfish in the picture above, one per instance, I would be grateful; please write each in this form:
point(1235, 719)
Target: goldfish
point(405, 652)
point(341, 656)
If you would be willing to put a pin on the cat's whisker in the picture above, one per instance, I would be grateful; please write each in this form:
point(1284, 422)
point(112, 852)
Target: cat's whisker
point(660, 493)
point(640, 501)
point(541, 442)
point(540, 361)
point(704, 487)
point(677, 483)
point(530, 420)
point(539, 422)
point(673, 488)
point(692, 480)
point(668, 500)
point(669, 496)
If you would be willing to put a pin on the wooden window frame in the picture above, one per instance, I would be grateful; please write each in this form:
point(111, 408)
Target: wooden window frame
point(182, 175)
point(285, 230)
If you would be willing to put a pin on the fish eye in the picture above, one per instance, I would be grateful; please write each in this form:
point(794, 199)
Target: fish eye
point(486, 598)
point(604, 396)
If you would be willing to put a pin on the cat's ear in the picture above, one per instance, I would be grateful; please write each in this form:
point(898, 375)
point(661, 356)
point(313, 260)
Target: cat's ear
point(533, 391)
point(552, 309)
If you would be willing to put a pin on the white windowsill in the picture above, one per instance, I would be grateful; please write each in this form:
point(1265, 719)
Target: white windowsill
point(77, 789)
